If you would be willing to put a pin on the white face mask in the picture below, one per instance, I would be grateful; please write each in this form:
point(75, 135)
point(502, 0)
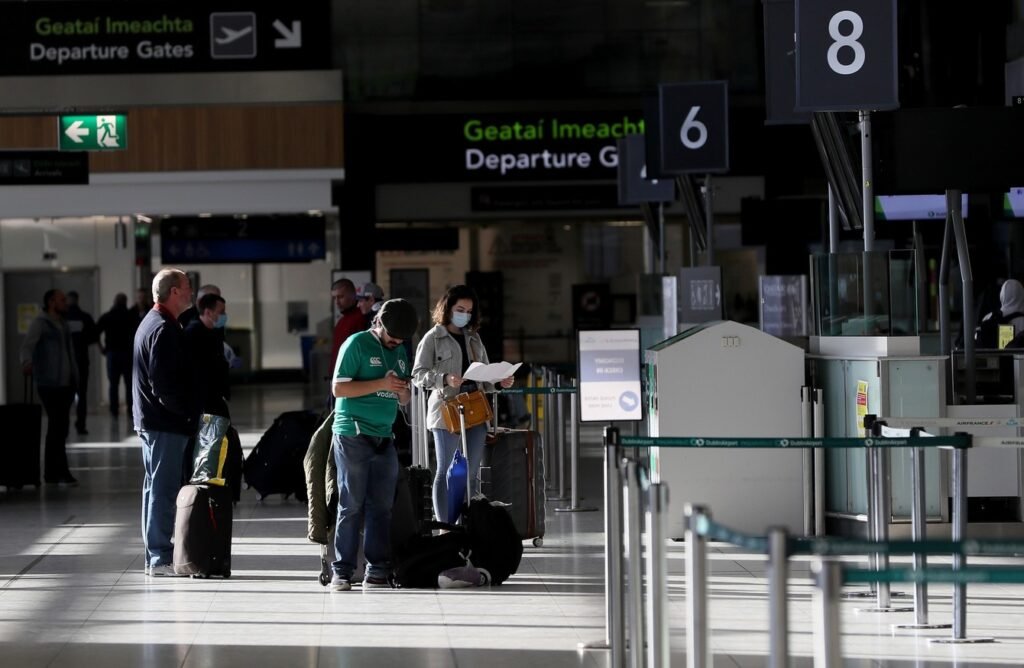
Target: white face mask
point(460, 319)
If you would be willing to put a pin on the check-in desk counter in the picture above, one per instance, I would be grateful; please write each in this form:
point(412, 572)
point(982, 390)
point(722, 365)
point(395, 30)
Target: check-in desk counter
point(885, 376)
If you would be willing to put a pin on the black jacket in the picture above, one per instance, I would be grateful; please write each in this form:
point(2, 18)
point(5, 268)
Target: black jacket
point(209, 367)
point(163, 388)
point(118, 327)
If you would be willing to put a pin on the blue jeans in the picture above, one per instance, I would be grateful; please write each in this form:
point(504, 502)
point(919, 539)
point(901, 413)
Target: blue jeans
point(445, 445)
point(367, 476)
point(162, 456)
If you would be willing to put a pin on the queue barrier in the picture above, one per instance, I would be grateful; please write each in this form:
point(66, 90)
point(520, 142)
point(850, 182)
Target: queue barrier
point(626, 479)
point(830, 574)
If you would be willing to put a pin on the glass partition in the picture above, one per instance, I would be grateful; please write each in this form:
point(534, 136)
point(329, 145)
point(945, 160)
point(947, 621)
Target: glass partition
point(865, 294)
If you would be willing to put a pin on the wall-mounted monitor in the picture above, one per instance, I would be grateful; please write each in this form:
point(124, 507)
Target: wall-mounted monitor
point(1013, 203)
point(914, 207)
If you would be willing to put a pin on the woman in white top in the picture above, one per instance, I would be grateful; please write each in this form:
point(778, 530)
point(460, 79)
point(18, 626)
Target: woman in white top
point(442, 357)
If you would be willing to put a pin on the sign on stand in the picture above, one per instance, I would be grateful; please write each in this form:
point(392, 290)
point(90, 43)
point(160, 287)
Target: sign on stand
point(108, 132)
point(609, 373)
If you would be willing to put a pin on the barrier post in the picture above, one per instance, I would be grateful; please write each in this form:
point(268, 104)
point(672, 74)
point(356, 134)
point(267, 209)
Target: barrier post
point(880, 513)
point(697, 637)
point(574, 456)
point(778, 598)
point(614, 629)
point(819, 464)
point(632, 513)
point(960, 559)
point(560, 401)
point(658, 652)
point(918, 531)
point(827, 641)
point(807, 431)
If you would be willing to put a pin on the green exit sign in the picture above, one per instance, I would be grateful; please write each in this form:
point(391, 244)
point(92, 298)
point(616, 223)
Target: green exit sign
point(105, 132)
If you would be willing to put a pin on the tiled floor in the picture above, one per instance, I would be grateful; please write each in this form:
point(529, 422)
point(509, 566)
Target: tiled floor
point(72, 592)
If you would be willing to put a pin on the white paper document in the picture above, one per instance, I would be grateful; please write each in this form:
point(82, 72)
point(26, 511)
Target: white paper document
point(490, 373)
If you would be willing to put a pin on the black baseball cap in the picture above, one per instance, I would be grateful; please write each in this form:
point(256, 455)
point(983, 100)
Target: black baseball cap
point(398, 318)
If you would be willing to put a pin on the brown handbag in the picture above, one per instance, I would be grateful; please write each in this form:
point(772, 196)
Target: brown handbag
point(476, 406)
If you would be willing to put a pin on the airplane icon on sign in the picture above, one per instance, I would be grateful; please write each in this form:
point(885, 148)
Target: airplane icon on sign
point(230, 35)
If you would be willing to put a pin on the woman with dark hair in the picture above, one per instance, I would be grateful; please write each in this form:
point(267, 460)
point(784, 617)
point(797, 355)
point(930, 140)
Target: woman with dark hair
point(443, 356)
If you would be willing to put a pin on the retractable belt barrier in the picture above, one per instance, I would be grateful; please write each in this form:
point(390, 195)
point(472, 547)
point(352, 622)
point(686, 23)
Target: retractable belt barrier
point(626, 481)
point(829, 575)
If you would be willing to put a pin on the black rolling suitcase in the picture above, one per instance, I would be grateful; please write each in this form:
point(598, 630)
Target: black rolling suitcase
point(275, 464)
point(202, 531)
point(22, 424)
point(513, 462)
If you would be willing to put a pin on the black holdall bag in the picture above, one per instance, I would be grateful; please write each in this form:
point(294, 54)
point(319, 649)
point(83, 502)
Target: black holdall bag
point(275, 465)
point(418, 563)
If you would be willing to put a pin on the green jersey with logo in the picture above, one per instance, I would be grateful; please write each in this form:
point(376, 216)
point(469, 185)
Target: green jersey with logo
point(364, 357)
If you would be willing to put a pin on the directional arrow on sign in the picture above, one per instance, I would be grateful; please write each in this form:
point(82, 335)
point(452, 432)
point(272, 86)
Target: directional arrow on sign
point(75, 132)
point(291, 38)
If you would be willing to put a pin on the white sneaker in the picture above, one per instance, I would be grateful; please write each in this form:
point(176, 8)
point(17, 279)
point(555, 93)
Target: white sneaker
point(461, 578)
point(163, 571)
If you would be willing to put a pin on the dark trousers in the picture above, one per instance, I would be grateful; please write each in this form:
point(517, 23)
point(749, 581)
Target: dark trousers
point(119, 365)
point(57, 403)
point(82, 406)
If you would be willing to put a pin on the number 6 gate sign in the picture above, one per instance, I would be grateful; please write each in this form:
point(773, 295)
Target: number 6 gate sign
point(846, 55)
point(693, 126)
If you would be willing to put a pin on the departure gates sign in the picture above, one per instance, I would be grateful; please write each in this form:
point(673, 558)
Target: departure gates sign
point(115, 37)
point(531, 146)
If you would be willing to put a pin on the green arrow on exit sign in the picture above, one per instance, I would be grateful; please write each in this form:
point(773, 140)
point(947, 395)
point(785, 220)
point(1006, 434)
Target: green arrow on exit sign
point(107, 132)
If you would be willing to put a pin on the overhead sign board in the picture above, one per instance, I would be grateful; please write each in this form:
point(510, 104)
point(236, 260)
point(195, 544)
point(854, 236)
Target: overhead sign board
point(224, 239)
point(43, 168)
point(693, 124)
point(635, 187)
point(846, 55)
point(160, 36)
point(104, 132)
point(493, 147)
point(780, 64)
point(609, 375)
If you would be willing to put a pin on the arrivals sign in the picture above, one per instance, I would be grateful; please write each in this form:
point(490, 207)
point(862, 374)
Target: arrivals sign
point(609, 375)
point(107, 132)
point(43, 168)
point(505, 147)
point(118, 37)
point(223, 239)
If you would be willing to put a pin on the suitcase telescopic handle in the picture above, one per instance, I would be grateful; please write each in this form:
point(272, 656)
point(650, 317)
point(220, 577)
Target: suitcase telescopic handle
point(27, 393)
point(465, 448)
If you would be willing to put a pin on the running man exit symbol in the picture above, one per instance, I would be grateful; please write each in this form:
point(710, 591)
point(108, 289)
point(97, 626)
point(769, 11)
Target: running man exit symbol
point(108, 132)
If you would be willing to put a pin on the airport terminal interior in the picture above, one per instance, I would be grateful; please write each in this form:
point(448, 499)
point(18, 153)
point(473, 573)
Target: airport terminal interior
point(761, 261)
point(73, 591)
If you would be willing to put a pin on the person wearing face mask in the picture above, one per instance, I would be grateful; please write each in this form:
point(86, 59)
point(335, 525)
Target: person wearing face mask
point(443, 356)
point(203, 338)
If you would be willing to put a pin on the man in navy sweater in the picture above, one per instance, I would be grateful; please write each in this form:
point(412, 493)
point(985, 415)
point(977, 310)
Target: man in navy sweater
point(165, 413)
